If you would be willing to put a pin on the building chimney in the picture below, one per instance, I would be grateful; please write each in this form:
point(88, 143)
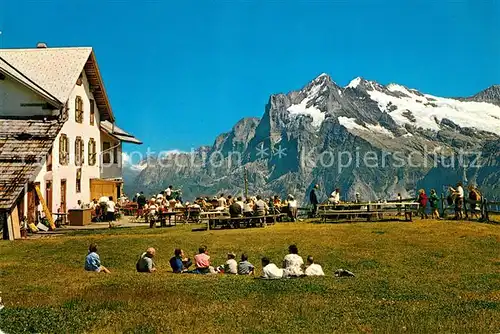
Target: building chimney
point(41, 45)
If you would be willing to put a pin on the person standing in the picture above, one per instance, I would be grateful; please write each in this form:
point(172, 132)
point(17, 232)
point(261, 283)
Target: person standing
point(474, 201)
point(458, 193)
point(422, 201)
point(110, 210)
point(292, 208)
point(313, 198)
point(141, 202)
point(168, 193)
point(434, 202)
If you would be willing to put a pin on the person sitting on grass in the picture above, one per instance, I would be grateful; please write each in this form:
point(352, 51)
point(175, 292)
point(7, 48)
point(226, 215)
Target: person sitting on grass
point(312, 268)
point(231, 266)
point(93, 261)
point(145, 264)
point(245, 267)
point(202, 262)
point(270, 270)
point(179, 263)
point(292, 263)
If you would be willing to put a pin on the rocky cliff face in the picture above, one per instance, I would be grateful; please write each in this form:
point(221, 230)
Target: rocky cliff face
point(368, 138)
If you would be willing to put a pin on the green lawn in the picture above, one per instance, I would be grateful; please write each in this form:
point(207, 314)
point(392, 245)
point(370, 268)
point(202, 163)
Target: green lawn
point(425, 276)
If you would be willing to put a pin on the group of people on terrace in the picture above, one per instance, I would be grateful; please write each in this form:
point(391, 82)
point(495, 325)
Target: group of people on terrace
point(456, 197)
point(293, 265)
point(235, 206)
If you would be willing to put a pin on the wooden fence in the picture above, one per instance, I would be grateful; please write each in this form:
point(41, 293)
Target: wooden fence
point(470, 208)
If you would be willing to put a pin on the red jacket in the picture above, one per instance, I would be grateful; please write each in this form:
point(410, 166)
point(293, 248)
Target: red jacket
point(422, 199)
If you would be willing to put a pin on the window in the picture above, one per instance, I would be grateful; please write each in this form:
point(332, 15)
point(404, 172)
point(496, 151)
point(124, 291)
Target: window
point(115, 155)
point(92, 153)
point(78, 180)
point(79, 109)
point(79, 159)
point(106, 155)
point(63, 150)
point(92, 112)
point(49, 161)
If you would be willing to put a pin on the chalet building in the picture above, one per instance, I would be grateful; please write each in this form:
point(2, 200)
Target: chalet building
point(57, 132)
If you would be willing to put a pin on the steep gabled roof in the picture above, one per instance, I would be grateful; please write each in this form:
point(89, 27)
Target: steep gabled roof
point(56, 70)
point(12, 72)
point(23, 145)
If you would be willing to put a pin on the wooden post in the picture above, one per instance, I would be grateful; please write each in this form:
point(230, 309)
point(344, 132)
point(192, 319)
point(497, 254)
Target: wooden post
point(48, 214)
point(442, 205)
point(487, 216)
point(245, 179)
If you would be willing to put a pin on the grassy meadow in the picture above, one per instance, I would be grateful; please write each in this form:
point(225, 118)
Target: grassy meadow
point(425, 276)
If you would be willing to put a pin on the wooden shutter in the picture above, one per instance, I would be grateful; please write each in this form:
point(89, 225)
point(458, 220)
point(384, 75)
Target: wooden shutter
point(91, 152)
point(92, 112)
point(79, 109)
point(63, 150)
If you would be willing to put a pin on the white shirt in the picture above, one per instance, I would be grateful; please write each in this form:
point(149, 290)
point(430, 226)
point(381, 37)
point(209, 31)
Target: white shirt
point(152, 209)
point(293, 265)
point(335, 197)
point(271, 271)
point(314, 270)
point(247, 207)
point(231, 267)
point(222, 201)
point(110, 206)
point(168, 192)
point(460, 191)
point(292, 203)
point(103, 199)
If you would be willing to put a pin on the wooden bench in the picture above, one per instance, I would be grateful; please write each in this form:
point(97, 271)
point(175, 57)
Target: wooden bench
point(224, 219)
point(162, 219)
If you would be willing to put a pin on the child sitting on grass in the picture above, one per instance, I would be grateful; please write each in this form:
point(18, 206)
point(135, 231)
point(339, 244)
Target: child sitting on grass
point(93, 261)
point(312, 268)
point(202, 262)
point(179, 263)
point(231, 266)
point(245, 267)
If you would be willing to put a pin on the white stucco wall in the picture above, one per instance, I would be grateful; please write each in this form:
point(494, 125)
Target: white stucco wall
point(72, 129)
point(13, 94)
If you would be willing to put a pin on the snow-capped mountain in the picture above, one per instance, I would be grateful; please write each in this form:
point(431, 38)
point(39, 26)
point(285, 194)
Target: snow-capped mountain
point(304, 136)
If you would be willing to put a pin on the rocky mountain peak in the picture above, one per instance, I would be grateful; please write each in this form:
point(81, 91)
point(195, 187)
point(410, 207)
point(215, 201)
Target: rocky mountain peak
point(490, 94)
point(280, 151)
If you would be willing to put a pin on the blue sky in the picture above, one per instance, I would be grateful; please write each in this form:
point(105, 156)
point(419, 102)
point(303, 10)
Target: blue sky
point(179, 73)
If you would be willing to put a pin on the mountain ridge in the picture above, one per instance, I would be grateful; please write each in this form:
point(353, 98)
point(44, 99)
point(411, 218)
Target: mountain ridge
point(323, 118)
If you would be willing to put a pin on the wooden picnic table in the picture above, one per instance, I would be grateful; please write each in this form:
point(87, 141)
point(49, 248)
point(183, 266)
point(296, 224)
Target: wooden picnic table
point(163, 219)
point(214, 217)
point(61, 218)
